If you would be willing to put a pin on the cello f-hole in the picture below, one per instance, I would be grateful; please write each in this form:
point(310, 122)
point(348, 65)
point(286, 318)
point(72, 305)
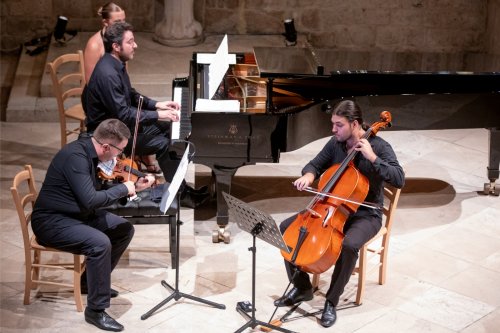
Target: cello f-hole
point(329, 213)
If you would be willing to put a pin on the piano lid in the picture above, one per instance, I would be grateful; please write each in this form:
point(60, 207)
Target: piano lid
point(297, 62)
point(329, 74)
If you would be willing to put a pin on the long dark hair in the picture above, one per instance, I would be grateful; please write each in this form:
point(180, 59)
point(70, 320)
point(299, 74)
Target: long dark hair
point(349, 110)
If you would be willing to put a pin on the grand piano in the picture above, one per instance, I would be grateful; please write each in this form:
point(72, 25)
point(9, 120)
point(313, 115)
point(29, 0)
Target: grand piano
point(284, 92)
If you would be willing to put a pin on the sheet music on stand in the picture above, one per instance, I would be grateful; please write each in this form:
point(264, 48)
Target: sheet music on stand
point(248, 217)
point(171, 191)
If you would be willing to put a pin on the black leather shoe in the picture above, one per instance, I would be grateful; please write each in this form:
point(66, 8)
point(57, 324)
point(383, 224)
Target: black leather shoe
point(294, 296)
point(192, 198)
point(329, 315)
point(114, 293)
point(102, 320)
point(202, 190)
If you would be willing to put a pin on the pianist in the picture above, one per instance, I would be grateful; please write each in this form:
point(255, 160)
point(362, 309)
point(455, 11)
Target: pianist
point(379, 164)
point(109, 94)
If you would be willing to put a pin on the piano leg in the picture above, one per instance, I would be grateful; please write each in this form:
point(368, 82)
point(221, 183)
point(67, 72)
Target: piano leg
point(223, 179)
point(494, 162)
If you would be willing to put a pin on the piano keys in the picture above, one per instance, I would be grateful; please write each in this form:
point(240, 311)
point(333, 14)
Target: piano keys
point(285, 92)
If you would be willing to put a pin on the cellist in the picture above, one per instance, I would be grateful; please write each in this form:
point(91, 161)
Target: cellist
point(377, 161)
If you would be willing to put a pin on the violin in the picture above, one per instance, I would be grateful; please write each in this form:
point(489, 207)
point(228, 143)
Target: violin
point(124, 168)
point(315, 237)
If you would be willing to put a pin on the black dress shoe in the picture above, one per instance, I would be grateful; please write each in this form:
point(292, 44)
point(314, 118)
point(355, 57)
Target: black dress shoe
point(113, 293)
point(192, 198)
point(102, 320)
point(329, 315)
point(202, 190)
point(294, 296)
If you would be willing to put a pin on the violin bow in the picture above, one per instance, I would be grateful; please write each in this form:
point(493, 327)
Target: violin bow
point(134, 140)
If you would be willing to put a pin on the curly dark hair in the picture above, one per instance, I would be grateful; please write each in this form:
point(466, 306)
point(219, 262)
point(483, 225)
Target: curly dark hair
point(114, 34)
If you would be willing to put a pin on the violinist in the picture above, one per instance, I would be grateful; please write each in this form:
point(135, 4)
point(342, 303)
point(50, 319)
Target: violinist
point(68, 214)
point(377, 161)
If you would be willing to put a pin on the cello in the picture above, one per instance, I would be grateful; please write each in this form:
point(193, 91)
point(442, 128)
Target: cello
point(315, 236)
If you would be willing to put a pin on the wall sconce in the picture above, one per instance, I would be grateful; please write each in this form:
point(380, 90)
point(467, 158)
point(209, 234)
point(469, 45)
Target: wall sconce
point(290, 33)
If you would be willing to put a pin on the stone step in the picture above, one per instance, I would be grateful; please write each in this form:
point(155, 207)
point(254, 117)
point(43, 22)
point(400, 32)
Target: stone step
point(151, 71)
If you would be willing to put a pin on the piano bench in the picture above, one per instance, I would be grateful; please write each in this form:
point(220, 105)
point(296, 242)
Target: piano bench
point(146, 211)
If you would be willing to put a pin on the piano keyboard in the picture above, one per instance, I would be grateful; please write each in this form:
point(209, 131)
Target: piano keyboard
point(180, 93)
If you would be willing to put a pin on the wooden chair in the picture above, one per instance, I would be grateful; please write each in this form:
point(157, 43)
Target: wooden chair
point(378, 245)
point(66, 83)
point(24, 194)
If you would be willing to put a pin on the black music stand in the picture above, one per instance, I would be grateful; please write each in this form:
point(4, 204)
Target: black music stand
point(258, 224)
point(172, 192)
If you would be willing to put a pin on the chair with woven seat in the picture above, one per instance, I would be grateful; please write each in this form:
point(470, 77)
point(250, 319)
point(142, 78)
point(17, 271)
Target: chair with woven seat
point(68, 82)
point(24, 194)
point(378, 245)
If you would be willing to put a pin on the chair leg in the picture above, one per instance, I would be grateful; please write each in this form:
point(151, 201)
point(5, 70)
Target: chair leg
point(361, 276)
point(63, 134)
point(315, 281)
point(35, 270)
point(383, 262)
point(28, 282)
point(77, 290)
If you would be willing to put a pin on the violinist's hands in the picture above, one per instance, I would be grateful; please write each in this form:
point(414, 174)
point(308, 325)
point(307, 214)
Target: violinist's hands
point(144, 183)
point(130, 187)
point(168, 105)
point(365, 148)
point(305, 181)
point(171, 115)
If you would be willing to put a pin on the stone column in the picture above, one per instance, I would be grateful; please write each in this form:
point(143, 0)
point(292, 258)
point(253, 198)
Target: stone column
point(178, 27)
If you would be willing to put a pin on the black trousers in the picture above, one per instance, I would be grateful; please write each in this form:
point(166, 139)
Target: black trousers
point(102, 239)
point(151, 139)
point(357, 230)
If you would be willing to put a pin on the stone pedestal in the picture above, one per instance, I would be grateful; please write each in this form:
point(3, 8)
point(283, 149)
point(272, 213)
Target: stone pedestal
point(178, 27)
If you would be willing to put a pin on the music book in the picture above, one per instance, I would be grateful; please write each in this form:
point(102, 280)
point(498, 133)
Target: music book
point(218, 105)
point(171, 190)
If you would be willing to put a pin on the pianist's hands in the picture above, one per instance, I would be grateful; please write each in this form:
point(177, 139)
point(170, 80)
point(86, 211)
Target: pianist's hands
point(168, 105)
point(168, 115)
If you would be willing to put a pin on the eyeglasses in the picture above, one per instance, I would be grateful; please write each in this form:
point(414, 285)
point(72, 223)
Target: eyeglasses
point(110, 144)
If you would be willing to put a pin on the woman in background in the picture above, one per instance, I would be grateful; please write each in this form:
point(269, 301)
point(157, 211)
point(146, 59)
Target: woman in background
point(94, 50)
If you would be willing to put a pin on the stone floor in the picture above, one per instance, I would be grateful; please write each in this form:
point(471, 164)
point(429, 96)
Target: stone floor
point(444, 260)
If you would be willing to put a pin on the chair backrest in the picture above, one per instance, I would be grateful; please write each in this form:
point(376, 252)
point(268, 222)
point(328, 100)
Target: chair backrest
point(391, 198)
point(67, 81)
point(24, 194)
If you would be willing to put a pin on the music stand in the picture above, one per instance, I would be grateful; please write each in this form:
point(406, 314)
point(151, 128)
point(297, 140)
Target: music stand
point(171, 192)
point(262, 225)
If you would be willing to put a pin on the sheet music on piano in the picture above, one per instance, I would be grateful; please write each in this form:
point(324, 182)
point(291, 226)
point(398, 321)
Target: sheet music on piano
point(219, 64)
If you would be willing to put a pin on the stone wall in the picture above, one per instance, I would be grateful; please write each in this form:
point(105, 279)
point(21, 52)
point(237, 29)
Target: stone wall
point(493, 27)
point(388, 25)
